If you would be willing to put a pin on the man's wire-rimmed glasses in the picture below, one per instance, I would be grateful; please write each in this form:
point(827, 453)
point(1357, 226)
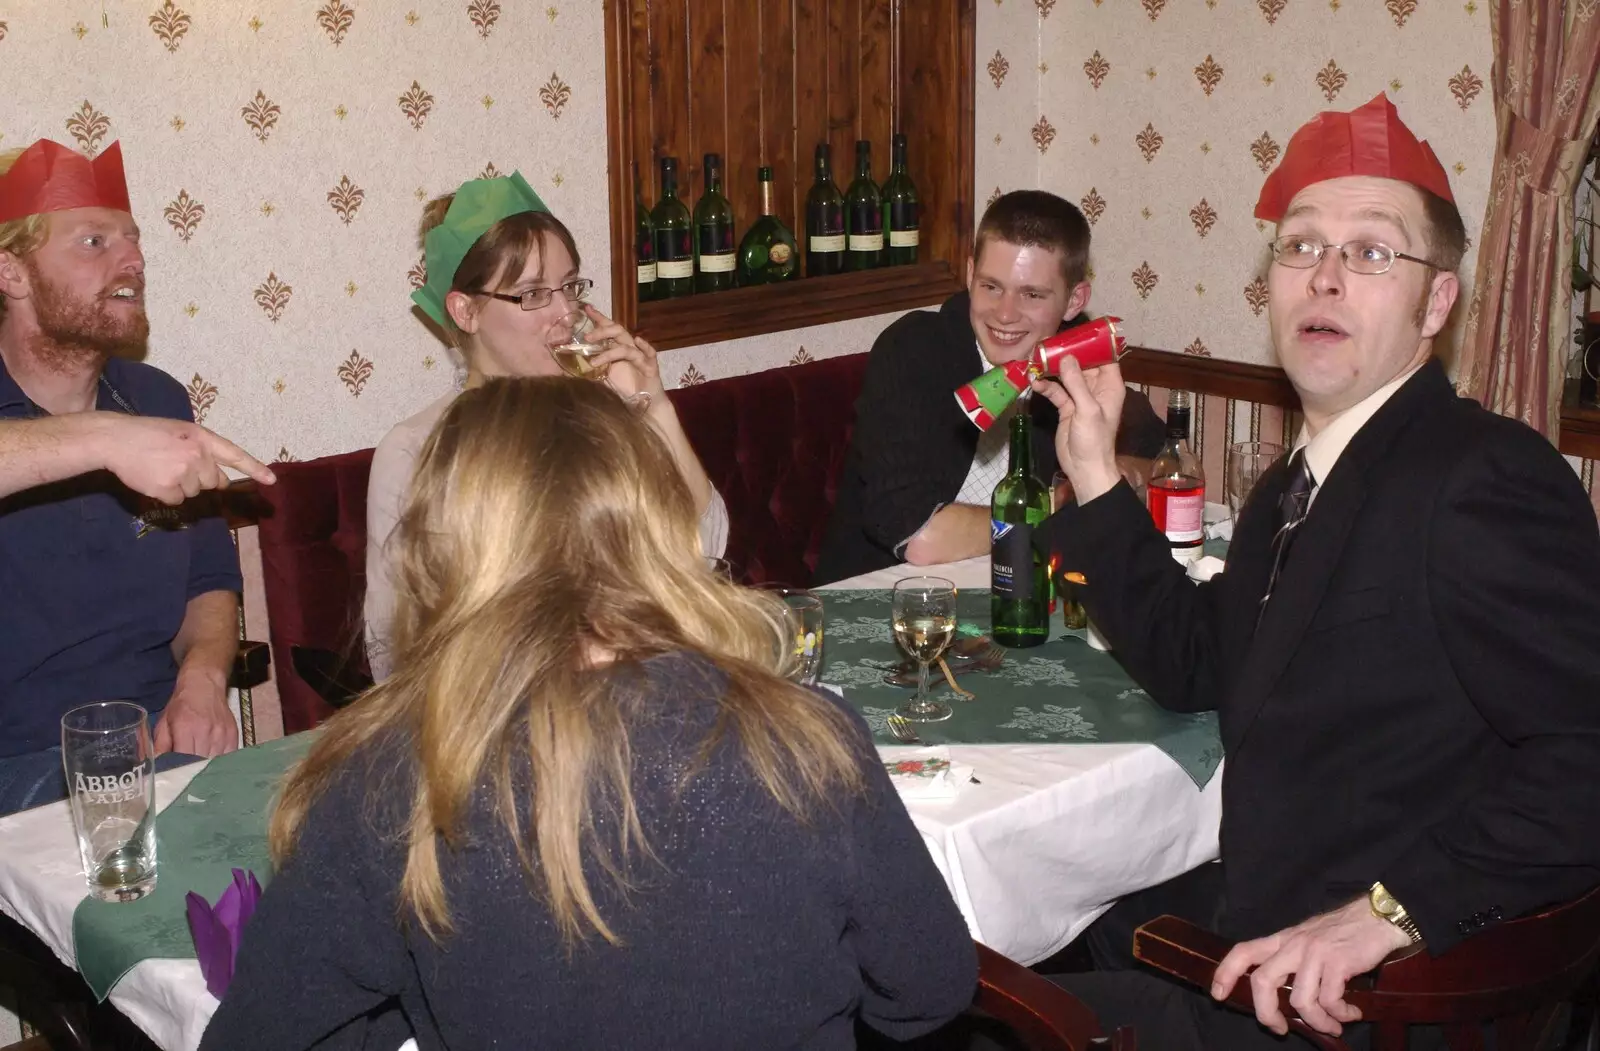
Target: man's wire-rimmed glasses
point(1360, 257)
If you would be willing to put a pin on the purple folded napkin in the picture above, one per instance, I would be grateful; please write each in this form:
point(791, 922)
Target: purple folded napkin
point(216, 930)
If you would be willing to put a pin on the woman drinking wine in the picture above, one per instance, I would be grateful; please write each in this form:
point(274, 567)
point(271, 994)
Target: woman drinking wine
point(501, 270)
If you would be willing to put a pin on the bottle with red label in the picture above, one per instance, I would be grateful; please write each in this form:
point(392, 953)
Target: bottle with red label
point(1177, 491)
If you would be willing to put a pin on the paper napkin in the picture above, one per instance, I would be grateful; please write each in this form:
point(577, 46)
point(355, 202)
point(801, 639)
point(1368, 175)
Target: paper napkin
point(216, 929)
point(926, 773)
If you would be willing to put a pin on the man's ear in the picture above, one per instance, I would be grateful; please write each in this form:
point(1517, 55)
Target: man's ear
point(463, 310)
point(15, 281)
point(969, 274)
point(1441, 297)
point(1077, 301)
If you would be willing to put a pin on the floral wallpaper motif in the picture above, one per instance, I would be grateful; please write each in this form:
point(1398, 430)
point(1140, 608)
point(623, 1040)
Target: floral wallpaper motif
point(279, 154)
point(1160, 119)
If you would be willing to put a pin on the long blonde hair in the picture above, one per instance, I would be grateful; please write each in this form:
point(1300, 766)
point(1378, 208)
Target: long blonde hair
point(547, 523)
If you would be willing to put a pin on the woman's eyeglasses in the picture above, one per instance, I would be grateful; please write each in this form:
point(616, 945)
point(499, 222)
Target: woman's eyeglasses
point(535, 298)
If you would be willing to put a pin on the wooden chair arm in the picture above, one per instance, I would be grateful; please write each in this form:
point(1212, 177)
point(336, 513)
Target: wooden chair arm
point(1539, 958)
point(250, 665)
point(1041, 1012)
point(1191, 953)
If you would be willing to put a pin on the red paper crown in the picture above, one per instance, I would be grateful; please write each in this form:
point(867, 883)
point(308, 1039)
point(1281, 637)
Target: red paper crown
point(49, 177)
point(1369, 140)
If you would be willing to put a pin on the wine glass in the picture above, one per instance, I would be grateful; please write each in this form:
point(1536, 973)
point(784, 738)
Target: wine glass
point(924, 620)
point(573, 350)
point(1247, 461)
point(802, 612)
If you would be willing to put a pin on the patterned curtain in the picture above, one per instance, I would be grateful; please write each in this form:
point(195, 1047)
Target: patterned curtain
point(1547, 97)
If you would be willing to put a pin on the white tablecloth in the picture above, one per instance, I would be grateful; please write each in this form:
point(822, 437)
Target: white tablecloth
point(41, 883)
point(1054, 834)
point(1050, 838)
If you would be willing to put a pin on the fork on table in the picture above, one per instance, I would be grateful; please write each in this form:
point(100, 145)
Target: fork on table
point(901, 729)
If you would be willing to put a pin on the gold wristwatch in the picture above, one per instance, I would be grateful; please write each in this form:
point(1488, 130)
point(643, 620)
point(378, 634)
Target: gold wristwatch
point(1386, 906)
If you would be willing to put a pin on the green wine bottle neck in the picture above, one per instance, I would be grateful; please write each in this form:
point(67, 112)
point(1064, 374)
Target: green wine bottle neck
point(1021, 444)
point(766, 197)
point(824, 165)
point(898, 155)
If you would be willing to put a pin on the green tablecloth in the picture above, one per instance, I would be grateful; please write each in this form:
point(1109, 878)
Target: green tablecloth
point(1062, 692)
point(218, 823)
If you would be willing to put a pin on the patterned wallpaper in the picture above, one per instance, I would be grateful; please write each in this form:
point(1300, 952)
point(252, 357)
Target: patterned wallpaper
point(1162, 117)
point(279, 153)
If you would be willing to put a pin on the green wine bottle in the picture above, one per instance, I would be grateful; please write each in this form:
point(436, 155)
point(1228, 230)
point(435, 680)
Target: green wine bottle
point(824, 220)
point(863, 209)
point(767, 253)
point(674, 237)
point(1019, 604)
point(644, 242)
point(900, 210)
point(713, 233)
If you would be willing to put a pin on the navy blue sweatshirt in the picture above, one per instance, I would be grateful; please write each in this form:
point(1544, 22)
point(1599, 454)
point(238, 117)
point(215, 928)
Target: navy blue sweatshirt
point(747, 930)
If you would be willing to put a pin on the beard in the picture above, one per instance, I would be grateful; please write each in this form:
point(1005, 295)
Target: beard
point(75, 331)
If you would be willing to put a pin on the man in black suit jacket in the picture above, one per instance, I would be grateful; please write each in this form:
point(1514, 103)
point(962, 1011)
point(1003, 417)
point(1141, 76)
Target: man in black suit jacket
point(917, 479)
point(1405, 648)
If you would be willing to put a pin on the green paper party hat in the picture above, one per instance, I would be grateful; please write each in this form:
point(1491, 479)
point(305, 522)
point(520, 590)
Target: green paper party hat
point(478, 205)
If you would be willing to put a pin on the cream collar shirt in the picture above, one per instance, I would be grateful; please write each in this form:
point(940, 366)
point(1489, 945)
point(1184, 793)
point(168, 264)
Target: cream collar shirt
point(1324, 448)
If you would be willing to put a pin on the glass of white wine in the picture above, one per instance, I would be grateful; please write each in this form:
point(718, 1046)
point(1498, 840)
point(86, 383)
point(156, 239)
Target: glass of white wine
point(924, 620)
point(570, 345)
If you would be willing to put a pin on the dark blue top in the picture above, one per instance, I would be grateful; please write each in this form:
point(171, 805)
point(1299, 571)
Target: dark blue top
point(744, 928)
point(95, 579)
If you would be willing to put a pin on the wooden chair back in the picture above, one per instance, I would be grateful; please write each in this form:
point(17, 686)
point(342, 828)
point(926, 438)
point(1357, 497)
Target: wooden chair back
point(1512, 978)
point(1044, 1015)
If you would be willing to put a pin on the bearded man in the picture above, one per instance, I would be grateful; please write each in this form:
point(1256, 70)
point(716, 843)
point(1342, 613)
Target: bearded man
point(107, 595)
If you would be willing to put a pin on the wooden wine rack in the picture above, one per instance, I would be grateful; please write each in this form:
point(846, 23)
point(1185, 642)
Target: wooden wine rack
point(762, 82)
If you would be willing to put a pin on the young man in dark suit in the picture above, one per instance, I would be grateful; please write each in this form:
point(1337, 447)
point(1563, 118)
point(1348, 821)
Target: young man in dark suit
point(1405, 648)
point(917, 480)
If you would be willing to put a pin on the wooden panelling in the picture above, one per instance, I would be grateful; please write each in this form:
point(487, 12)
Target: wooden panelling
point(744, 109)
point(1580, 431)
point(811, 99)
point(797, 304)
point(1263, 384)
point(776, 91)
point(762, 82)
point(843, 44)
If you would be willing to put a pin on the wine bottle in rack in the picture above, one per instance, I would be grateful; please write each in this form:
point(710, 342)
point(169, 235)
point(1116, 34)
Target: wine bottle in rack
point(713, 233)
point(825, 239)
point(900, 210)
point(863, 210)
point(767, 253)
point(1177, 488)
point(674, 237)
point(644, 242)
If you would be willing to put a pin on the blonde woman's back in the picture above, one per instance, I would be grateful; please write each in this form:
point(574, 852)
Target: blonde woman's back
point(747, 928)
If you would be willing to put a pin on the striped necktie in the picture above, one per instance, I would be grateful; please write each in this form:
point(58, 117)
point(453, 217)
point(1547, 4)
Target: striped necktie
point(1292, 508)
